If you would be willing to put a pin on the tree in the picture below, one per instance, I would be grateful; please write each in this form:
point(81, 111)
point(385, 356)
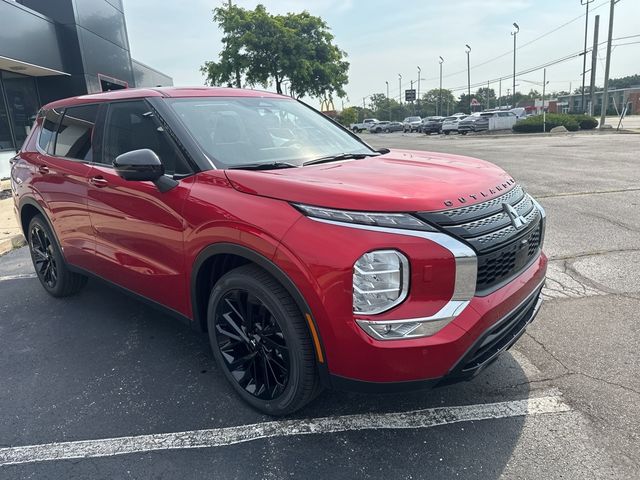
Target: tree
point(431, 100)
point(267, 49)
point(348, 116)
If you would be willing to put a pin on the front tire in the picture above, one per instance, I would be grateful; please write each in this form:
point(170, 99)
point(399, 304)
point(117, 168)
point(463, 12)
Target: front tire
point(261, 342)
point(48, 262)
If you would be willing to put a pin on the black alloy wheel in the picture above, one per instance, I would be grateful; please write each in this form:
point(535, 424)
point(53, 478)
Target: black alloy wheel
point(261, 341)
point(252, 344)
point(43, 259)
point(48, 262)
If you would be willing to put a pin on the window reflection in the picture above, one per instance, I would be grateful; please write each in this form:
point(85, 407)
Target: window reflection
point(22, 103)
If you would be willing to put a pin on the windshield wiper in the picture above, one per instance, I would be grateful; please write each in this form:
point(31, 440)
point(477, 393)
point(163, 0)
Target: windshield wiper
point(263, 166)
point(340, 156)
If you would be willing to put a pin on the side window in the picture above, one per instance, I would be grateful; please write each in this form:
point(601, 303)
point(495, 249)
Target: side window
point(47, 131)
point(132, 126)
point(75, 133)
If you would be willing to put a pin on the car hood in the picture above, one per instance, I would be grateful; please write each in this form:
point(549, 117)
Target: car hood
point(400, 181)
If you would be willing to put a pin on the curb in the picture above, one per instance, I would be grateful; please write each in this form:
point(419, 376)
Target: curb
point(15, 241)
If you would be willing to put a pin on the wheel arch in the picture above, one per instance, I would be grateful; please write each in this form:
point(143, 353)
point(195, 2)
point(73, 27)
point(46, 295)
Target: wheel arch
point(29, 208)
point(217, 259)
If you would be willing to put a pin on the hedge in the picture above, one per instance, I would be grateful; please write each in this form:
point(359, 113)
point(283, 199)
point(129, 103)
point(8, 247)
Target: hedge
point(534, 124)
point(586, 122)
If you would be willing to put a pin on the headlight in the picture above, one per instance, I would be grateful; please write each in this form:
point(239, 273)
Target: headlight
point(393, 220)
point(380, 281)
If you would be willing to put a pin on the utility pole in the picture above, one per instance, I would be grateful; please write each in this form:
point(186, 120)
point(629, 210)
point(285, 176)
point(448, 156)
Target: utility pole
point(440, 91)
point(515, 35)
point(605, 94)
point(544, 91)
point(500, 94)
point(468, 50)
point(388, 102)
point(418, 97)
point(364, 107)
point(594, 63)
point(413, 105)
point(400, 88)
point(488, 98)
point(584, 53)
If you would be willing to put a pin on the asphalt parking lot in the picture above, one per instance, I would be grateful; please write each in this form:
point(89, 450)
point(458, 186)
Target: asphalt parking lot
point(103, 376)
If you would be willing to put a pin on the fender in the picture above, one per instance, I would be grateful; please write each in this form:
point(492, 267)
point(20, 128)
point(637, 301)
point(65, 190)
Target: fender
point(275, 271)
point(24, 201)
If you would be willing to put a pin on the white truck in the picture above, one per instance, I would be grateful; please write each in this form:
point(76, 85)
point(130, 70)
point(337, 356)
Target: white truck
point(365, 125)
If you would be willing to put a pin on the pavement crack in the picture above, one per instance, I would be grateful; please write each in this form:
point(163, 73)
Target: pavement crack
point(593, 192)
point(550, 353)
point(590, 254)
point(608, 382)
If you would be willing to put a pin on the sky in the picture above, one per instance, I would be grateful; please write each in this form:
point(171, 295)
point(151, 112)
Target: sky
point(386, 38)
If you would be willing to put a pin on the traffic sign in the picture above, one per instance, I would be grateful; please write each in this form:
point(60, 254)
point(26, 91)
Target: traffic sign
point(410, 95)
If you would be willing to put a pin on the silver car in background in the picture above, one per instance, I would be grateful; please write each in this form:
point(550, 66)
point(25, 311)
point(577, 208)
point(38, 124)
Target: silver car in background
point(450, 124)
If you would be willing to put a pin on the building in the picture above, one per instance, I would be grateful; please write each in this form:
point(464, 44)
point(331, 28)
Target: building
point(618, 99)
point(52, 49)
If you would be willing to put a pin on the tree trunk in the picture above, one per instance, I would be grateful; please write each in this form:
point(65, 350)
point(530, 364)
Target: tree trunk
point(238, 79)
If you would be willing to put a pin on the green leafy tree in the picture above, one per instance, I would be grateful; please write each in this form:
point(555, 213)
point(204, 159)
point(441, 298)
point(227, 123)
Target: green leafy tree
point(267, 49)
point(348, 116)
point(430, 101)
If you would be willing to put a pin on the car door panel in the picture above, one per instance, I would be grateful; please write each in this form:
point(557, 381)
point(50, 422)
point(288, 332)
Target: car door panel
point(138, 229)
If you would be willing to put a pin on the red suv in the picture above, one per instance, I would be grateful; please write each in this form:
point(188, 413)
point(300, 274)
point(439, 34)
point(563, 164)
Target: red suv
point(311, 259)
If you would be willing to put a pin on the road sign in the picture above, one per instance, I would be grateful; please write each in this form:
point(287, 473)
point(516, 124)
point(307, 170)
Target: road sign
point(410, 95)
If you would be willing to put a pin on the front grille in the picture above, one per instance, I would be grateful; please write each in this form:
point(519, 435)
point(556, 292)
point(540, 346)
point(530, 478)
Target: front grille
point(503, 250)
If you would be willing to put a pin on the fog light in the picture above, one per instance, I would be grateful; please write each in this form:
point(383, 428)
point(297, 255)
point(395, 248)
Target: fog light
point(380, 281)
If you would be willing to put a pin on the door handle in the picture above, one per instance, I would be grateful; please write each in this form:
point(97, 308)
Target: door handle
point(99, 182)
point(43, 169)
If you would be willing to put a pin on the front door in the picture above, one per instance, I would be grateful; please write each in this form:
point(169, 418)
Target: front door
point(139, 230)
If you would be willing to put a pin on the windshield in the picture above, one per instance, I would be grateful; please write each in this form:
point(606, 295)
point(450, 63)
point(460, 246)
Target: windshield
point(413, 119)
point(237, 131)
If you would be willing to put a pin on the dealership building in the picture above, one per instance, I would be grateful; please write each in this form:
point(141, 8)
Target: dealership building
point(52, 49)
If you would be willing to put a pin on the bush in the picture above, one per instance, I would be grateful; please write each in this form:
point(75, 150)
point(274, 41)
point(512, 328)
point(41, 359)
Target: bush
point(534, 124)
point(586, 122)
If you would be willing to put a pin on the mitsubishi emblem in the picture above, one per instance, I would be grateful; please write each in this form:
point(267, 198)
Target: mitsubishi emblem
point(517, 220)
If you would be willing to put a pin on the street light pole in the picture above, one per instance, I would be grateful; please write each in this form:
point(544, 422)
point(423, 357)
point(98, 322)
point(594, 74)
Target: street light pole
point(400, 88)
point(514, 34)
point(468, 50)
point(584, 53)
point(388, 101)
point(440, 91)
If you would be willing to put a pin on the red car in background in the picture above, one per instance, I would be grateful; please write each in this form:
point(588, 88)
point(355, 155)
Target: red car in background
point(311, 259)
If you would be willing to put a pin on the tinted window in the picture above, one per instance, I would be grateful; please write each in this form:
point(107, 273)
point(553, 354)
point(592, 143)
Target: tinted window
point(75, 132)
point(133, 126)
point(49, 126)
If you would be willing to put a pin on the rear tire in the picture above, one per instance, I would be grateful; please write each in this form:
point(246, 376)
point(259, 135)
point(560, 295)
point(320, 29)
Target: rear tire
point(48, 262)
point(261, 342)
point(446, 132)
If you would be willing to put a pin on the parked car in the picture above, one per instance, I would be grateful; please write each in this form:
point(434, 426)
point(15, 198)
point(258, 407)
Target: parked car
point(378, 126)
point(468, 124)
point(411, 124)
point(450, 124)
point(519, 112)
point(364, 125)
point(431, 125)
point(387, 127)
point(397, 270)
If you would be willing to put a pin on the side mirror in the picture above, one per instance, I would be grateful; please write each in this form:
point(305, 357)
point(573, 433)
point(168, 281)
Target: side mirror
point(141, 166)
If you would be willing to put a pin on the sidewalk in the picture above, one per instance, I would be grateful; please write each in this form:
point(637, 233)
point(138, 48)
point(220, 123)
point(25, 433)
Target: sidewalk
point(10, 232)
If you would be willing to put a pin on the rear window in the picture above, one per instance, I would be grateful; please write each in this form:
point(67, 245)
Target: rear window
point(76, 132)
point(47, 131)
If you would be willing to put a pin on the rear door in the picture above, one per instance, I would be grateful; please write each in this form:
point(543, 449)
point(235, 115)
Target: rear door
point(62, 166)
point(139, 230)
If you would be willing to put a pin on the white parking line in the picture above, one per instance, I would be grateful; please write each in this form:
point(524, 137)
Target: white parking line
point(218, 437)
point(17, 277)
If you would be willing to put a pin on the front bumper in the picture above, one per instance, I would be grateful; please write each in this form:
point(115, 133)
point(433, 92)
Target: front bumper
point(482, 353)
point(487, 328)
